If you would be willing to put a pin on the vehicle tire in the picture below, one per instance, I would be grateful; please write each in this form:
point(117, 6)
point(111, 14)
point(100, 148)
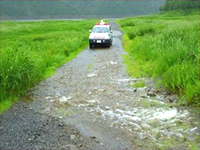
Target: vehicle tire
point(109, 44)
point(91, 46)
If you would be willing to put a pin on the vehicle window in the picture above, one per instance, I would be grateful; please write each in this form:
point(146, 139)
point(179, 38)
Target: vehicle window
point(100, 30)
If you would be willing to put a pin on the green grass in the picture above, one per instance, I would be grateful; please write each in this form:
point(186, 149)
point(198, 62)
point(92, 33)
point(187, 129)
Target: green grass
point(166, 47)
point(138, 84)
point(89, 66)
point(31, 51)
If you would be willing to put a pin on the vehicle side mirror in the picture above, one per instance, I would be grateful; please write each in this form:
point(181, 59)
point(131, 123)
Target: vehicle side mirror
point(90, 31)
point(111, 31)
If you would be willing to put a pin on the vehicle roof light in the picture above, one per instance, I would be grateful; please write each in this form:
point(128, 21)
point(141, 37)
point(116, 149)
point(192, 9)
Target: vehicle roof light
point(102, 23)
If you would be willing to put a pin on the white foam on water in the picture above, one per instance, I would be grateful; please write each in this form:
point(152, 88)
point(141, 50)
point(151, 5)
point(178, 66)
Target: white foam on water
point(124, 80)
point(63, 99)
point(113, 63)
point(156, 101)
point(92, 75)
point(165, 114)
point(148, 123)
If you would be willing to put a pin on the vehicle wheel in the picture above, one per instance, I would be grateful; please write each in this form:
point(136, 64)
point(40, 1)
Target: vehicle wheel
point(91, 46)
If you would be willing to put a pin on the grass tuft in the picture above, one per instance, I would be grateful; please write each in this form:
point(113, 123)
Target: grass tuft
point(165, 46)
point(31, 51)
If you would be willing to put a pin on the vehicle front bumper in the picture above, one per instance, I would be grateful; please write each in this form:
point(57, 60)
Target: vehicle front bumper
point(99, 41)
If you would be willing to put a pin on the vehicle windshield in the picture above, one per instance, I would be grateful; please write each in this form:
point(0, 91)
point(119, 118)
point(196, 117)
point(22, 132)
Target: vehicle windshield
point(100, 30)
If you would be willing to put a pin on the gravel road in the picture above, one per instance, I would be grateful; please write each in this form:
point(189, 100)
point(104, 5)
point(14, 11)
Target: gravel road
point(90, 103)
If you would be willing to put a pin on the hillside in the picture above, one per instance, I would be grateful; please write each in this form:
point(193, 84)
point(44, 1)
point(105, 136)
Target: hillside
point(24, 9)
point(180, 5)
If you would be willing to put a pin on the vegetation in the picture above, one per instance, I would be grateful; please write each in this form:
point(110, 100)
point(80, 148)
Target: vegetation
point(31, 51)
point(165, 46)
point(180, 4)
point(139, 83)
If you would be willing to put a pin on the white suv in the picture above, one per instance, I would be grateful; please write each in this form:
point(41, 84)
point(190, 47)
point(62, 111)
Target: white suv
point(101, 34)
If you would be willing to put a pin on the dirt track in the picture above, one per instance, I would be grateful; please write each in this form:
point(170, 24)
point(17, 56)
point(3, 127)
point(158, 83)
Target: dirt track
point(90, 104)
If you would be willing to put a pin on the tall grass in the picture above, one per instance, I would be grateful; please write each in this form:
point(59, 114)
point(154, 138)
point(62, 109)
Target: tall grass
point(30, 51)
point(168, 47)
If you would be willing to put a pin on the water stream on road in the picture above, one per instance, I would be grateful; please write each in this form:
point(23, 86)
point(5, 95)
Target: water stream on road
point(94, 93)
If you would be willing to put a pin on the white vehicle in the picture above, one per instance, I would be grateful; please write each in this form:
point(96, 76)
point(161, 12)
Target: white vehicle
point(101, 34)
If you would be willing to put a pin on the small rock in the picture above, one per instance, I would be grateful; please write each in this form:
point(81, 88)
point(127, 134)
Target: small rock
point(73, 147)
point(135, 90)
point(139, 144)
point(92, 137)
point(166, 93)
point(151, 93)
point(194, 130)
point(72, 137)
point(148, 89)
point(60, 124)
point(143, 95)
point(80, 145)
point(75, 132)
point(107, 107)
point(135, 119)
point(171, 98)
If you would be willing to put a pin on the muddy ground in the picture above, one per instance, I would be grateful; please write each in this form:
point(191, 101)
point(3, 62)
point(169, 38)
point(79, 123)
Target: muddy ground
point(90, 103)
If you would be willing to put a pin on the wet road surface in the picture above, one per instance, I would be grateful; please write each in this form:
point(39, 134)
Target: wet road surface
point(93, 94)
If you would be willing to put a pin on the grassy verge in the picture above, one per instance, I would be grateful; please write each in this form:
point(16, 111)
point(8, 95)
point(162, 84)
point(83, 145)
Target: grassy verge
point(165, 46)
point(31, 51)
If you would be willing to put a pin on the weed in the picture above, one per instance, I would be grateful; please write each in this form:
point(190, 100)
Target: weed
point(139, 83)
point(166, 47)
point(145, 103)
point(31, 51)
point(90, 66)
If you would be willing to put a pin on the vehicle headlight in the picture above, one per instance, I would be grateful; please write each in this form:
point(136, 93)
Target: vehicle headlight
point(107, 37)
point(91, 37)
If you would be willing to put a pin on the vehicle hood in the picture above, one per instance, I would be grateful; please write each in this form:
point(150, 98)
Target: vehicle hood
point(99, 35)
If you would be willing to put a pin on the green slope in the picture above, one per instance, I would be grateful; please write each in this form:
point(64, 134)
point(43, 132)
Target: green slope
point(166, 47)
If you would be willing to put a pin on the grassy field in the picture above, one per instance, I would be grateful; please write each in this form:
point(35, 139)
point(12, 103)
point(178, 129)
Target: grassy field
point(165, 46)
point(31, 51)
